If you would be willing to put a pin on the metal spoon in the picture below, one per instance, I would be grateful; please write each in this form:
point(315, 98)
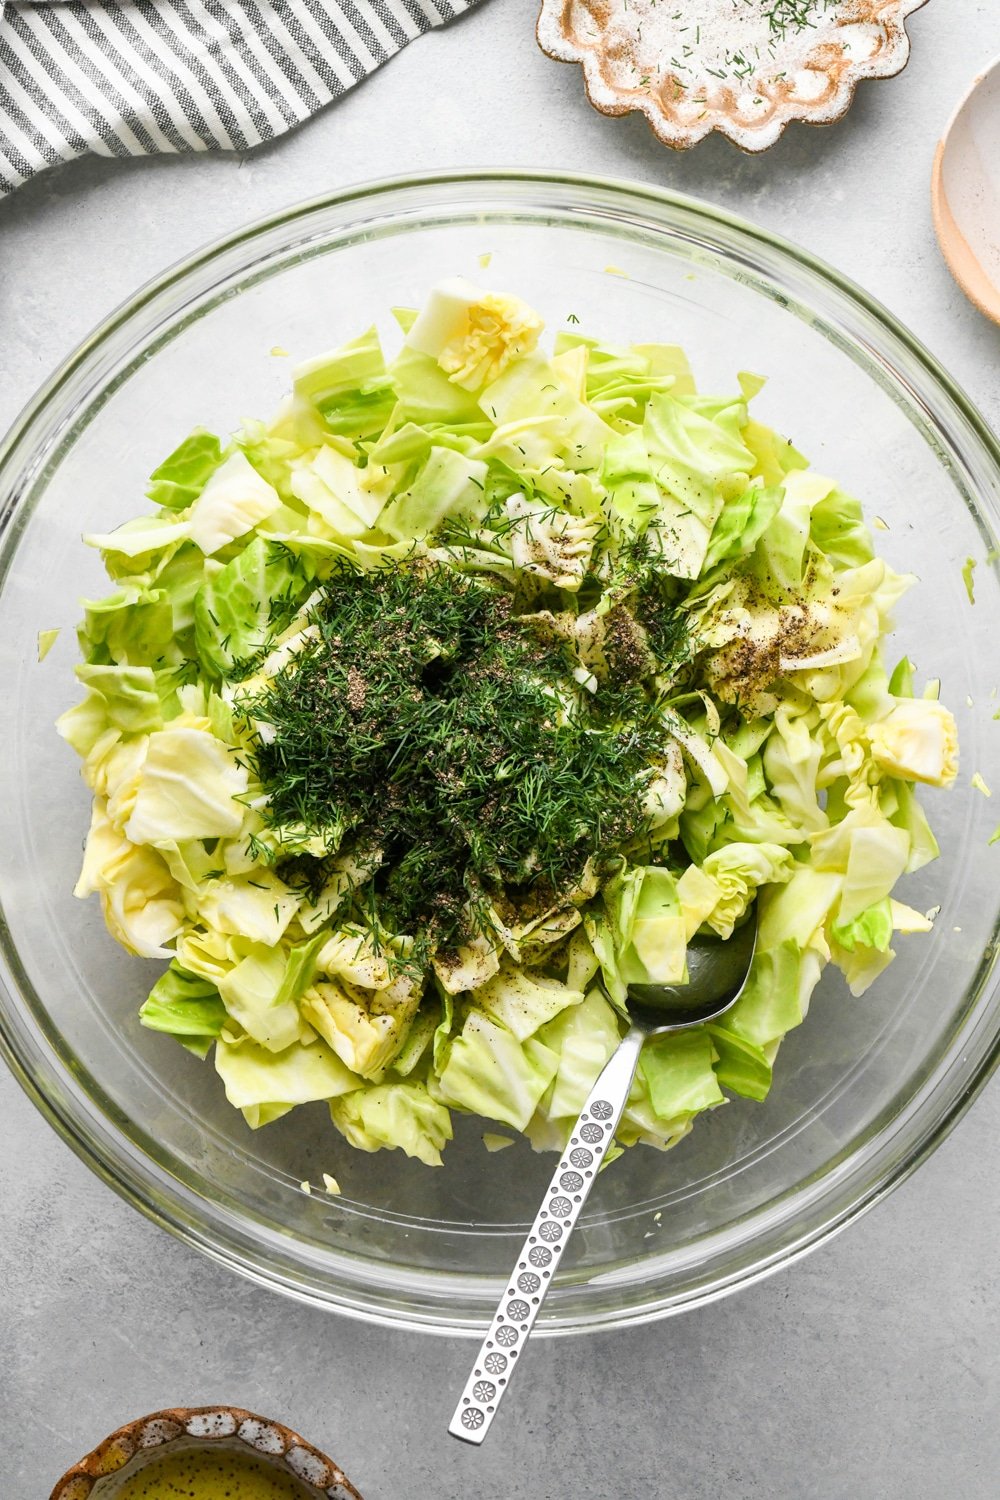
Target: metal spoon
point(718, 973)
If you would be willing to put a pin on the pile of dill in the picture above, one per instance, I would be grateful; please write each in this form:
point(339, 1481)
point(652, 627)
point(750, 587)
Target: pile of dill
point(427, 722)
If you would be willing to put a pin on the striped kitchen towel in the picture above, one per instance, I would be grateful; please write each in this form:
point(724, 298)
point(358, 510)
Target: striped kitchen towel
point(132, 77)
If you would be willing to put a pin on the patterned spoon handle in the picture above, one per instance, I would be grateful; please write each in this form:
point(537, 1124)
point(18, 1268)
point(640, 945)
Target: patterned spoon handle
point(540, 1254)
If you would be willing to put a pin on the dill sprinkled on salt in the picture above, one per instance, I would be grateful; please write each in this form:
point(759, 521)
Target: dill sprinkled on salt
point(784, 16)
point(684, 48)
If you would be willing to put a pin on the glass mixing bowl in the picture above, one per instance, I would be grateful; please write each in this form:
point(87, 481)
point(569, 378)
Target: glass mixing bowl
point(864, 1089)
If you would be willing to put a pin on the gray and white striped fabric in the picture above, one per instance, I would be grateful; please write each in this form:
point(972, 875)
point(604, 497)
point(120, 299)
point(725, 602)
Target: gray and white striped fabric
point(134, 77)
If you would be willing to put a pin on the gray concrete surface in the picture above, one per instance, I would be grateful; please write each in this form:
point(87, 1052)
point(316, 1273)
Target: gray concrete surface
point(870, 1370)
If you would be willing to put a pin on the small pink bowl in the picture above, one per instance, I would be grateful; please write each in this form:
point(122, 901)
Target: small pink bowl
point(229, 1426)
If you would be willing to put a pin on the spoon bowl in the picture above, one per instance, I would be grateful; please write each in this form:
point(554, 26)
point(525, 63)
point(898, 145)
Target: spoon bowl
point(718, 973)
point(965, 193)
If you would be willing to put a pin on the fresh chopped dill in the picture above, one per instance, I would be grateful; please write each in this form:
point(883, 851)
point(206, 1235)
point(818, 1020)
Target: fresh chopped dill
point(432, 721)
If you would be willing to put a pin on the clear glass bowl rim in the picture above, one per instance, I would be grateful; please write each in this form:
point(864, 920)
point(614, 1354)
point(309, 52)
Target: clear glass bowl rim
point(427, 1301)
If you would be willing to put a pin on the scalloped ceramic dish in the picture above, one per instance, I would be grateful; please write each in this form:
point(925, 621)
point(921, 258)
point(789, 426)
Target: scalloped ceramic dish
point(125, 1452)
point(742, 67)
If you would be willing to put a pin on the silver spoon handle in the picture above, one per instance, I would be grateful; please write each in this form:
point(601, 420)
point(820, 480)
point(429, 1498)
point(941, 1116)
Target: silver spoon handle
point(540, 1254)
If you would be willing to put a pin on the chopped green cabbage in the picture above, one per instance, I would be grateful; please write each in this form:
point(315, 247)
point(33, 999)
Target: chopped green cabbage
point(669, 545)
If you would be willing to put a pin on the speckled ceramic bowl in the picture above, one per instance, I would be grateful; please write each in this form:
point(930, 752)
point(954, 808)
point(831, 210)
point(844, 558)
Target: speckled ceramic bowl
point(697, 66)
point(121, 1454)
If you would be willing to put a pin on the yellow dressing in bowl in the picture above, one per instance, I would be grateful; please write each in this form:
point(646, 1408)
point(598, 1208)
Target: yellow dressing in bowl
point(203, 1473)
